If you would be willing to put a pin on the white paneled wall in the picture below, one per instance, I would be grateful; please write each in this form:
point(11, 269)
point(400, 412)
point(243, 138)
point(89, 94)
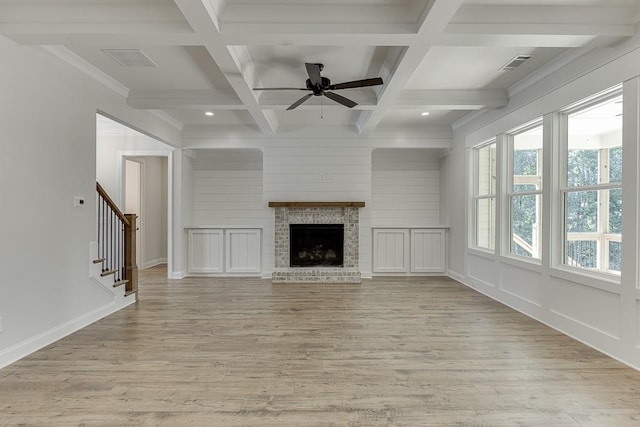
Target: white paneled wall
point(227, 188)
point(428, 251)
point(405, 188)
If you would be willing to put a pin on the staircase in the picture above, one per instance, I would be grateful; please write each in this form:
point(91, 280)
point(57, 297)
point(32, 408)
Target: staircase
point(116, 245)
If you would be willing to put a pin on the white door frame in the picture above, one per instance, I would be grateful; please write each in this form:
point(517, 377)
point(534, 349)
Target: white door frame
point(121, 157)
point(140, 224)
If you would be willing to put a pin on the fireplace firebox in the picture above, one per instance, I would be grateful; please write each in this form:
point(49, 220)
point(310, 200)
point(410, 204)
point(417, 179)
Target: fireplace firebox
point(314, 245)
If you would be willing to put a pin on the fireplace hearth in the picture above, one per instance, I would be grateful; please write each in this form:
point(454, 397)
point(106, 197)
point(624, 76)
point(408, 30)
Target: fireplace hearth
point(315, 245)
point(314, 257)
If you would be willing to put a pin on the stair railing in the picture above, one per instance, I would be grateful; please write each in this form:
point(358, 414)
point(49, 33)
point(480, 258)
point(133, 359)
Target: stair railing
point(116, 242)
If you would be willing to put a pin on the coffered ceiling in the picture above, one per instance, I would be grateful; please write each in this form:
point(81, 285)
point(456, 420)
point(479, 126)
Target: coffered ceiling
point(444, 57)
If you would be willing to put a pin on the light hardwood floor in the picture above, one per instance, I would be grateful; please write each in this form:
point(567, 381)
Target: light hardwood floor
point(244, 352)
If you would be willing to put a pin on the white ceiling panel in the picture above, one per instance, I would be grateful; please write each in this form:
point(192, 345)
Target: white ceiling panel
point(178, 68)
point(441, 55)
point(476, 67)
point(283, 66)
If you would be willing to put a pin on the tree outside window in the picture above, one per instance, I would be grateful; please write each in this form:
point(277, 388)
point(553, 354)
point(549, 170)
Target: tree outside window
point(525, 196)
point(592, 193)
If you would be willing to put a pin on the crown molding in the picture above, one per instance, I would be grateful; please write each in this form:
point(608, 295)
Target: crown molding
point(71, 58)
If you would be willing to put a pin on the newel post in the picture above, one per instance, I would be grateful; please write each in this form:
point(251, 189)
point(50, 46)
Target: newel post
point(130, 267)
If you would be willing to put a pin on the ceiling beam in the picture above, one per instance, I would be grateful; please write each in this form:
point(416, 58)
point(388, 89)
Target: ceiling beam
point(140, 35)
point(543, 29)
point(407, 99)
point(434, 20)
point(183, 99)
point(451, 99)
point(232, 60)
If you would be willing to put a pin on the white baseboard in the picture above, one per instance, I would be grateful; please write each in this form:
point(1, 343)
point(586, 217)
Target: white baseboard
point(25, 348)
point(456, 276)
point(177, 275)
point(154, 262)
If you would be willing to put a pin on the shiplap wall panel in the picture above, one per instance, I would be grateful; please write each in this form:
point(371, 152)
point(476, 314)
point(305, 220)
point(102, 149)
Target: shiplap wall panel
point(405, 188)
point(228, 189)
point(319, 170)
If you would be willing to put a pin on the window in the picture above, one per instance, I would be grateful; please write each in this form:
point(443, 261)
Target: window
point(485, 196)
point(592, 190)
point(525, 192)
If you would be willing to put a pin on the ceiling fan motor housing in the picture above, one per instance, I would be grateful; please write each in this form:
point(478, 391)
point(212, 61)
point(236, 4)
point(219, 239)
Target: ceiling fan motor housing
point(317, 90)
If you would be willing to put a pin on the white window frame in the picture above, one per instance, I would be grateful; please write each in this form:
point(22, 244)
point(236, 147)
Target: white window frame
point(476, 197)
point(511, 194)
point(602, 238)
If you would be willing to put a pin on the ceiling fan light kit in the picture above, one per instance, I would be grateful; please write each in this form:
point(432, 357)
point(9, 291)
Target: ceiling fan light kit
point(321, 86)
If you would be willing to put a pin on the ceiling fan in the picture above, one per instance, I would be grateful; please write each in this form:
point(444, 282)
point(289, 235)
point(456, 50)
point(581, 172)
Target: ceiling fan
point(320, 86)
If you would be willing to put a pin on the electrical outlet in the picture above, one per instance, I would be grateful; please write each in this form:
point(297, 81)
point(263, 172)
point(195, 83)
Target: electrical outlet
point(78, 201)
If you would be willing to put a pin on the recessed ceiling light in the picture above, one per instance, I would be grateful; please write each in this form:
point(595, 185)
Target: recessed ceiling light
point(426, 113)
point(208, 113)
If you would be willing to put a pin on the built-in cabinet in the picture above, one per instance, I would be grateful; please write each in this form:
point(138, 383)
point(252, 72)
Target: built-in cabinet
point(409, 250)
point(224, 251)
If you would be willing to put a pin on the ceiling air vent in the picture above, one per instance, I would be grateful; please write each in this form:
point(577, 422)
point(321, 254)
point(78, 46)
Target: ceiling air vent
point(129, 57)
point(516, 62)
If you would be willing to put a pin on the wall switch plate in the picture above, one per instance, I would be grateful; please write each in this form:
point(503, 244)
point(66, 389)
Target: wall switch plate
point(78, 201)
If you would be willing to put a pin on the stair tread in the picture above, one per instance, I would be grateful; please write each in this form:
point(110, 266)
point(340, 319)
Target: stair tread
point(98, 260)
point(120, 283)
point(108, 272)
point(126, 294)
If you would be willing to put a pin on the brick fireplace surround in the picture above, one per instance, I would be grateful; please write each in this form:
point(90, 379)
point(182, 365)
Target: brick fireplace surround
point(317, 213)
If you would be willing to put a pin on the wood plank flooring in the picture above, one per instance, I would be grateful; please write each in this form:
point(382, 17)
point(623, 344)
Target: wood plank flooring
point(244, 352)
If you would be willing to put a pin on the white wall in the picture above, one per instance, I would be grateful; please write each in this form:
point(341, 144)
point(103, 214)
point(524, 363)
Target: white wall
point(109, 151)
point(47, 134)
point(227, 188)
point(405, 188)
point(599, 312)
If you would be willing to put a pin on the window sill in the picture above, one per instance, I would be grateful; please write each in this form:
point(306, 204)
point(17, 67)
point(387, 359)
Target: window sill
point(483, 253)
point(532, 264)
point(600, 281)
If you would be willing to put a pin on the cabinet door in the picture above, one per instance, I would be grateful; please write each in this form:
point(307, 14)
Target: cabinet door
point(243, 250)
point(428, 251)
point(390, 250)
point(206, 251)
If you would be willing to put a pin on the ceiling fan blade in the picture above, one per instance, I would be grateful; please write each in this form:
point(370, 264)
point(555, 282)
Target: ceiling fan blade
point(300, 101)
point(340, 99)
point(279, 88)
point(357, 83)
point(314, 73)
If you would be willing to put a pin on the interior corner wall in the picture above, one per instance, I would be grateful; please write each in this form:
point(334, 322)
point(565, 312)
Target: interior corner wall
point(406, 188)
point(455, 167)
point(48, 136)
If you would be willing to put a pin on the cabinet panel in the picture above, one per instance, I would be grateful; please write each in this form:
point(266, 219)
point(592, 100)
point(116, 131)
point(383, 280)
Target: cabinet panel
point(428, 251)
point(243, 247)
point(206, 251)
point(390, 250)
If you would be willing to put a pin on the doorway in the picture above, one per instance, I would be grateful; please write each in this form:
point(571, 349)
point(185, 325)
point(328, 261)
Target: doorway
point(146, 194)
point(136, 170)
